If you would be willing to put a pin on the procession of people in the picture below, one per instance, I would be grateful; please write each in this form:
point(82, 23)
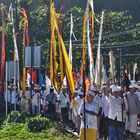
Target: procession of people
point(109, 113)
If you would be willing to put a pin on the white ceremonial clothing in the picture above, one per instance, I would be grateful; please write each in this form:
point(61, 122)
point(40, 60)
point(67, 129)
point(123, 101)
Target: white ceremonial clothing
point(58, 108)
point(91, 120)
point(115, 108)
point(43, 100)
point(138, 94)
point(97, 100)
point(78, 101)
point(133, 123)
point(8, 96)
point(27, 94)
point(105, 105)
point(14, 98)
point(64, 99)
point(125, 113)
point(35, 99)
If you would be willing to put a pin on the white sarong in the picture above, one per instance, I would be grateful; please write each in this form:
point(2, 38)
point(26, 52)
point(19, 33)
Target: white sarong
point(133, 123)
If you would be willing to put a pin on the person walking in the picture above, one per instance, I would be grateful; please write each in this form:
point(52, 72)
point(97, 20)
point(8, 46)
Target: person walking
point(51, 99)
point(91, 112)
point(133, 110)
point(115, 115)
point(79, 101)
point(63, 100)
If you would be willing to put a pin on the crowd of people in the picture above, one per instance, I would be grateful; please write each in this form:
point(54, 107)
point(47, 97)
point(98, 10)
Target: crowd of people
point(111, 113)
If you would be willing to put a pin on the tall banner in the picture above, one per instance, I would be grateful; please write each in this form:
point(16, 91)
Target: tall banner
point(53, 52)
point(92, 18)
point(16, 56)
point(84, 46)
point(112, 66)
point(70, 45)
point(24, 25)
point(99, 66)
point(2, 51)
point(90, 54)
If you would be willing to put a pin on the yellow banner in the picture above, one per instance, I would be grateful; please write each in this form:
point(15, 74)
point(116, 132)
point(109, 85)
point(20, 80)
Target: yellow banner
point(63, 53)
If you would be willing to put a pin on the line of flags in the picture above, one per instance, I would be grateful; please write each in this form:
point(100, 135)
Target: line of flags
point(64, 65)
point(61, 71)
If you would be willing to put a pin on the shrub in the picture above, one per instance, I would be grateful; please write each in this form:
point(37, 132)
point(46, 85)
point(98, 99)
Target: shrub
point(22, 118)
point(2, 118)
point(37, 124)
point(16, 116)
point(13, 116)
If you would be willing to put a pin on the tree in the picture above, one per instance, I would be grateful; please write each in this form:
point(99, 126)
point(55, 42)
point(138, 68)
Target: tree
point(114, 24)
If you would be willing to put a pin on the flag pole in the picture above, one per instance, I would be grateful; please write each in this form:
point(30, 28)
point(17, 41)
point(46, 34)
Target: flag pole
point(84, 91)
point(17, 40)
point(6, 85)
point(122, 93)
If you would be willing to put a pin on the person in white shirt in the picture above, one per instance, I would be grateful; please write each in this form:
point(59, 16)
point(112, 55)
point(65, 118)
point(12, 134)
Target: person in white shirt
point(97, 99)
point(133, 110)
point(8, 98)
point(89, 120)
point(79, 101)
point(14, 98)
point(63, 100)
point(115, 115)
point(104, 122)
point(43, 95)
point(51, 99)
point(23, 101)
point(36, 100)
point(136, 89)
point(27, 99)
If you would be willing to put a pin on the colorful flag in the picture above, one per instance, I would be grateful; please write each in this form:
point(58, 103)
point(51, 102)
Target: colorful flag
point(16, 56)
point(61, 60)
point(24, 25)
point(91, 4)
point(28, 79)
point(55, 30)
point(87, 84)
point(84, 46)
point(90, 54)
point(2, 51)
point(33, 74)
point(41, 79)
point(98, 61)
point(53, 53)
point(92, 17)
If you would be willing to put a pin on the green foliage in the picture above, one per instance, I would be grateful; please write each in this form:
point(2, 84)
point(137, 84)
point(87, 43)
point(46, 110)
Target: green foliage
point(37, 124)
point(15, 116)
point(20, 131)
point(23, 117)
point(2, 118)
